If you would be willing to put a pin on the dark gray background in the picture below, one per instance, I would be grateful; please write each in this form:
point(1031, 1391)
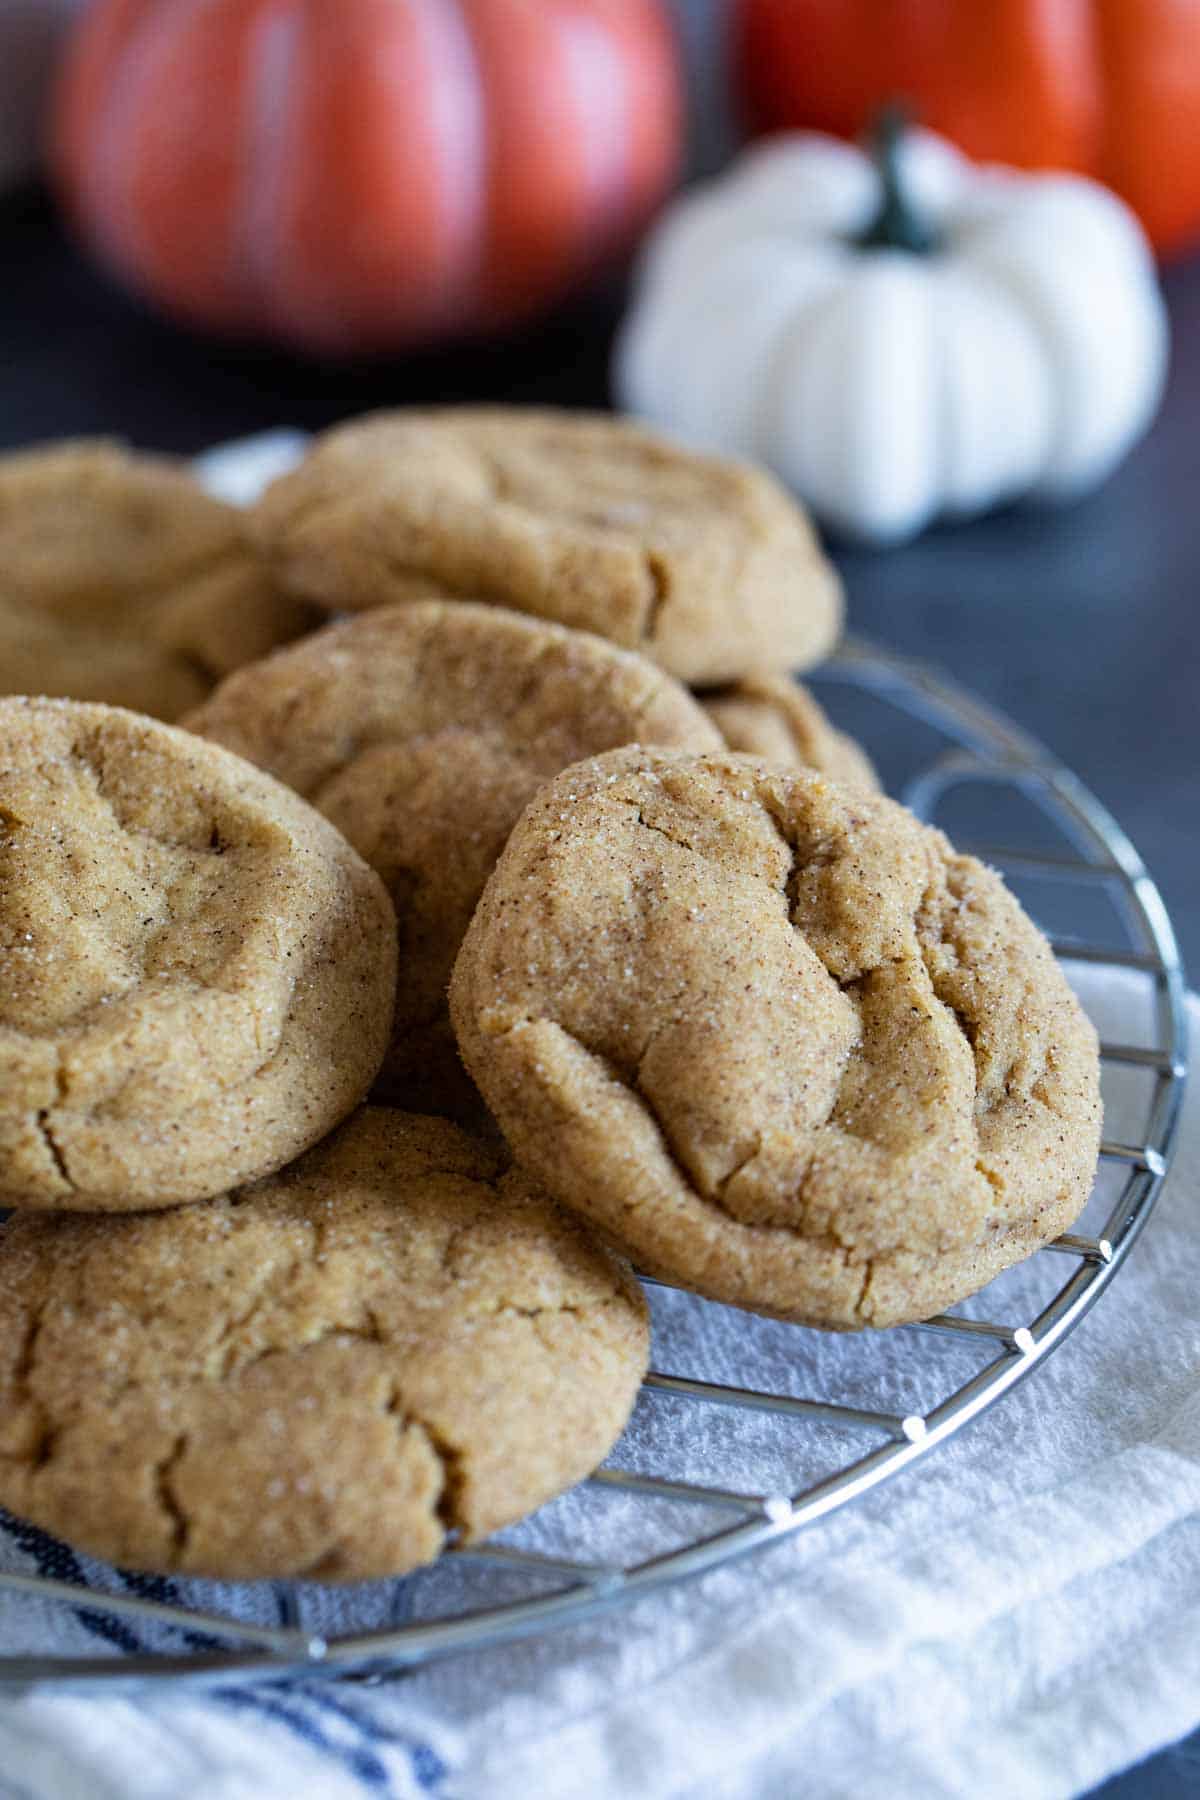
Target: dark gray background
point(1083, 624)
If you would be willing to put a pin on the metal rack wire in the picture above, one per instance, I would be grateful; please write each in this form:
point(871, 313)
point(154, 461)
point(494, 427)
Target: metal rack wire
point(974, 748)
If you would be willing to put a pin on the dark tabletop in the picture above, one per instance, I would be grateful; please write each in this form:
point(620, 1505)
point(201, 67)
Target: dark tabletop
point(1083, 624)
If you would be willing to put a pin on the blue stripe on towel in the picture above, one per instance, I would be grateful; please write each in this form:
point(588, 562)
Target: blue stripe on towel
point(58, 1563)
point(427, 1765)
point(287, 1707)
point(360, 1761)
point(160, 1588)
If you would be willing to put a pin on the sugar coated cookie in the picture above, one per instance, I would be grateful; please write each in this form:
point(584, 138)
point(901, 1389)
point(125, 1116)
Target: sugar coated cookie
point(121, 580)
point(776, 1038)
point(196, 970)
point(775, 718)
point(324, 1375)
point(707, 566)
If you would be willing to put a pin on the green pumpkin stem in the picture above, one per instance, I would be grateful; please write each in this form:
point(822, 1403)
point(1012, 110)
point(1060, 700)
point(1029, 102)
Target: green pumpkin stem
point(897, 225)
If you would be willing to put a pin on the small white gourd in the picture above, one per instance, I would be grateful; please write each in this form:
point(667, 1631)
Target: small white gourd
point(899, 337)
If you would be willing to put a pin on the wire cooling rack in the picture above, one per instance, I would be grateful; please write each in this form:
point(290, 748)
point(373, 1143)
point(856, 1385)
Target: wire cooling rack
point(954, 762)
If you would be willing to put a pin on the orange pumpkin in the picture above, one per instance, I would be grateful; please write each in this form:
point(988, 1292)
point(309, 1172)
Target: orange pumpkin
point(1107, 87)
point(364, 174)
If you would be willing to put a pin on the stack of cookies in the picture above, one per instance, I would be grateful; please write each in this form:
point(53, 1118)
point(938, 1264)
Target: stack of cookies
point(359, 1031)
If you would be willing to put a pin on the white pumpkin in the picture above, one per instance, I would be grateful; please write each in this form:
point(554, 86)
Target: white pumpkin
point(1019, 350)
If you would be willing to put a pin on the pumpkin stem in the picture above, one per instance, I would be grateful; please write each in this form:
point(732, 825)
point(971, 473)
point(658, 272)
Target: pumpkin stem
point(897, 225)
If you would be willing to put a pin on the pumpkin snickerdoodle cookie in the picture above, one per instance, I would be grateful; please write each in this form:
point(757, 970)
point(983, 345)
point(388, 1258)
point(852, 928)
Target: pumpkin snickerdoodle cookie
point(776, 718)
point(706, 566)
point(198, 971)
point(776, 1038)
point(121, 580)
point(421, 731)
point(324, 1375)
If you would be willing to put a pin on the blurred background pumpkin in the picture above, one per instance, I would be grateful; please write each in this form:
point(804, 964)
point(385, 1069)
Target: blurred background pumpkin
point(1108, 88)
point(364, 174)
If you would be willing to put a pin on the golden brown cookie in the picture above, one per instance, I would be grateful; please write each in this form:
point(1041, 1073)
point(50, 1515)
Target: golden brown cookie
point(121, 580)
point(778, 719)
point(706, 566)
point(776, 1038)
point(323, 1375)
point(421, 731)
point(198, 971)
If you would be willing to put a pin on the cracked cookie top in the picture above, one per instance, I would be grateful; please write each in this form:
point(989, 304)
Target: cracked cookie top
point(321, 1376)
point(421, 731)
point(196, 970)
point(121, 580)
point(778, 719)
point(706, 566)
point(776, 1037)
